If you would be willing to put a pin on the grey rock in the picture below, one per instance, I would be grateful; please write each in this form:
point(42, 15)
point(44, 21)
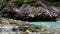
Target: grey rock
point(35, 12)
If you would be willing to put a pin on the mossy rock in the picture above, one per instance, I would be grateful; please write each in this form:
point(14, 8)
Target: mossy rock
point(24, 33)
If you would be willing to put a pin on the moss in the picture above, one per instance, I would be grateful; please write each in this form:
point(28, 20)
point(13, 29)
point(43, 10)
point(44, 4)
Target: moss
point(12, 22)
point(24, 33)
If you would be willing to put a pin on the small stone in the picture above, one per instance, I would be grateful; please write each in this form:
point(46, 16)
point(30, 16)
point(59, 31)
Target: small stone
point(4, 21)
point(28, 31)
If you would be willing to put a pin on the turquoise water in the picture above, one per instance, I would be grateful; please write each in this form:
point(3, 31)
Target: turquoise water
point(45, 23)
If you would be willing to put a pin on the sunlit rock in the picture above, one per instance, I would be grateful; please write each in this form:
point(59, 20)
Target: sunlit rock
point(4, 21)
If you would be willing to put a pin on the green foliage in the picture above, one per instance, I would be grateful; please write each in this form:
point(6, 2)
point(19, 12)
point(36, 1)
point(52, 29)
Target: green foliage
point(22, 1)
point(1, 1)
point(26, 1)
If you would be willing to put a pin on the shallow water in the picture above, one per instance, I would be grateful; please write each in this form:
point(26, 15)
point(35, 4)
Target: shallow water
point(45, 23)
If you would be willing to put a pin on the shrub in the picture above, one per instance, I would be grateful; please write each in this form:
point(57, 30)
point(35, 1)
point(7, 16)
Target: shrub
point(2, 1)
point(22, 1)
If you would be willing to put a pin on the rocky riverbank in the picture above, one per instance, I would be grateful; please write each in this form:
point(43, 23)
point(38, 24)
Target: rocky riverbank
point(10, 26)
point(15, 14)
point(29, 29)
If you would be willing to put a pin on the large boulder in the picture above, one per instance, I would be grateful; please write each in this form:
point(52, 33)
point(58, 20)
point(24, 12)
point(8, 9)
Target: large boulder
point(30, 12)
point(37, 13)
